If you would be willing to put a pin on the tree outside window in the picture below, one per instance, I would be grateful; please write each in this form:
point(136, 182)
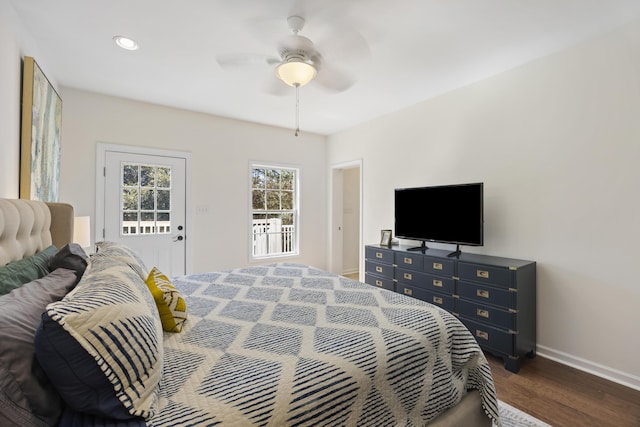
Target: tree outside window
point(274, 209)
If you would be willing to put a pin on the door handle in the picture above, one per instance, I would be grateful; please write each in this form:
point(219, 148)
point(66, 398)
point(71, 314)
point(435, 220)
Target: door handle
point(178, 239)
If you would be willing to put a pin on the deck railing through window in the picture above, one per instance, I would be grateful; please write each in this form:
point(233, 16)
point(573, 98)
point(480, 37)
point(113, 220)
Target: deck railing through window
point(270, 237)
point(145, 227)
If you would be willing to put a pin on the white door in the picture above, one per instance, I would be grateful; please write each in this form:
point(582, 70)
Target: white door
point(145, 207)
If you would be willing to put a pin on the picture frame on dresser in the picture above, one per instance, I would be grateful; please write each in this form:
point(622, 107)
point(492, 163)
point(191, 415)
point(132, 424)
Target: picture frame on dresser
point(385, 237)
point(40, 135)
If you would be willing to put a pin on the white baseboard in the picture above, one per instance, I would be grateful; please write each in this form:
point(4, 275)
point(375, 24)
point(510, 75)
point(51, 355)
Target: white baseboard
point(351, 271)
point(605, 372)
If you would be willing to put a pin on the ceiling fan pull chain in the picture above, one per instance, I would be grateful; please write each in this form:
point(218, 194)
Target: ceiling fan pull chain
point(297, 110)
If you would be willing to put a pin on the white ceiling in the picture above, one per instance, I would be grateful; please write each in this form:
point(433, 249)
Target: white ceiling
point(417, 49)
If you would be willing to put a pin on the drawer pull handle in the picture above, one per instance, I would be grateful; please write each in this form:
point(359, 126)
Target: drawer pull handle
point(408, 291)
point(408, 260)
point(408, 276)
point(482, 313)
point(437, 300)
point(482, 293)
point(378, 283)
point(437, 283)
point(379, 269)
point(482, 334)
point(483, 274)
point(437, 266)
point(378, 254)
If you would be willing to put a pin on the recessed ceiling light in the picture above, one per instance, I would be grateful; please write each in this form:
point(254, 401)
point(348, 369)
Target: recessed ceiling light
point(126, 43)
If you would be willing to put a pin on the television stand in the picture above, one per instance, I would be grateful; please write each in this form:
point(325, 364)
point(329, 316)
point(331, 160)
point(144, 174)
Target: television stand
point(494, 297)
point(457, 252)
point(423, 247)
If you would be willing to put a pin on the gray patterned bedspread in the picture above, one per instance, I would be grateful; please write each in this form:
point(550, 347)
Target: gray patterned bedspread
point(291, 345)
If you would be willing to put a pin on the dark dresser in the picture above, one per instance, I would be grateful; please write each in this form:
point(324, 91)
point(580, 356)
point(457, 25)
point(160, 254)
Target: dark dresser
point(494, 297)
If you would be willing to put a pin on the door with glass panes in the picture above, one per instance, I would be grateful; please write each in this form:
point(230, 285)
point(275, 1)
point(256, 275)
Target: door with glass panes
point(145, 207)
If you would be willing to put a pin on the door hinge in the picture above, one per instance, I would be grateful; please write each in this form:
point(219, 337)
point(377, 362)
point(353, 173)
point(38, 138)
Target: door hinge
point(104, 234)
point(104, 171)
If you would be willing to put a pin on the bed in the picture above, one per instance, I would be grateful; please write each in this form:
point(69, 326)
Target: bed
point(281, 344)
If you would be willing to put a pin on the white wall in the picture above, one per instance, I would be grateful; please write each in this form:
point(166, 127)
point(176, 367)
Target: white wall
point(557, 145)
point(221, 153)
point(14, 44)
point(10, 87)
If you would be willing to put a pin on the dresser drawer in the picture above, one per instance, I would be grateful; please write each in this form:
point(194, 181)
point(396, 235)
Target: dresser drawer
point(490, 337)
point(486, 313)
point(485, 274)
point(379, 282)
point(445, 301)
point(439, 266)
point(485, 294)
point(383, 270)
point(445, 285)
point(410, 277)
point(409, 261)
point(382, 255)
point(425, 281)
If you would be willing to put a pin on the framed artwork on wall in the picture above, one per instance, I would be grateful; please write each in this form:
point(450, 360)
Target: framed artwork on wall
point(40, 138)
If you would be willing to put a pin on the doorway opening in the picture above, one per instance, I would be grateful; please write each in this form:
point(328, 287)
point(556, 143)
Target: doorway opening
point(345, 237)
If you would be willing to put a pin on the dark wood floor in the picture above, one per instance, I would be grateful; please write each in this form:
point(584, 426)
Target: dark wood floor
point(563, 396)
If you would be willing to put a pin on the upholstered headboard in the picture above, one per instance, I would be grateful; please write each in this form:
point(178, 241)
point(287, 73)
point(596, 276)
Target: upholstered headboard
point(29, 226)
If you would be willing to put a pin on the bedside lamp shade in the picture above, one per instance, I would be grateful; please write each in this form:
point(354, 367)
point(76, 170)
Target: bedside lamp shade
point(82, 231)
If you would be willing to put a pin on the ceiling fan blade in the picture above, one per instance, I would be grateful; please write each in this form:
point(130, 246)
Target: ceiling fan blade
point(271, 18)
point(344, 44)
point(334, 80)
point(276, 87)
point(241, 60)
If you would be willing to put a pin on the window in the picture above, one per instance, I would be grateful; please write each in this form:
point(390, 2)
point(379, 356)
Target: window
point(274, 211)
point(145, 199)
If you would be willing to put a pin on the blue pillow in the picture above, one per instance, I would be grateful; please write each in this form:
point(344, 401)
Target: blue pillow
point(71, 418)
point(72, 257)
point(74, 372)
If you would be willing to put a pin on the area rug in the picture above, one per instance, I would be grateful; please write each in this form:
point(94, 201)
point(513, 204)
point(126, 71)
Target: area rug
point(513, 417)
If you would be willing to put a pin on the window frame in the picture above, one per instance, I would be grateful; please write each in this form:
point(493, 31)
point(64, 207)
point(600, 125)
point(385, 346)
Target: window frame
point(296, 209)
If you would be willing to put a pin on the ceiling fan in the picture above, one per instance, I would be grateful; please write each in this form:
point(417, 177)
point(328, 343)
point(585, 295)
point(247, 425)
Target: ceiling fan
point(300, 61)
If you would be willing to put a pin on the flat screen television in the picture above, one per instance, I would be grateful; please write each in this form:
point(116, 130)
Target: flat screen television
point(445, 214)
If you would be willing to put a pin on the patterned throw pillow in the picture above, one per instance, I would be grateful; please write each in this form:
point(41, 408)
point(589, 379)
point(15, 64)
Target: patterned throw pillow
point(171, 304)
point(107, 327)
point(120, 252)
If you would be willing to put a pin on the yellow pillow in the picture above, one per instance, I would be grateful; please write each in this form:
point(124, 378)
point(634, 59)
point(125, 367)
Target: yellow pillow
point(171, 305)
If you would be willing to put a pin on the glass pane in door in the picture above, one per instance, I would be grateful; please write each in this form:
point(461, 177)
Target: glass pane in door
point(145, 202)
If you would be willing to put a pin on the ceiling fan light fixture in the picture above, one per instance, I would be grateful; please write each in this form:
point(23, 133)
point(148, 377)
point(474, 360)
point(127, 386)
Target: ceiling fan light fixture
point(296, 73)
